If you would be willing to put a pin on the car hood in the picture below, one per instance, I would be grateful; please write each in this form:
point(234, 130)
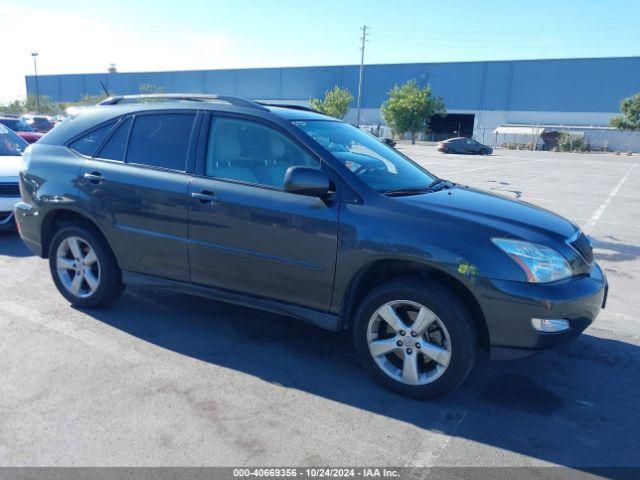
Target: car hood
point(9, 168)
point(500, 213)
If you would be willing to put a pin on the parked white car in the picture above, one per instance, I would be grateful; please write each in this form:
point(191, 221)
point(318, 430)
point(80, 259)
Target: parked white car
point(11, 148)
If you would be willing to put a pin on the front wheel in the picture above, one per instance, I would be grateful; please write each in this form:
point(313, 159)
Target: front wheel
point(83, 267)
point(415, 338)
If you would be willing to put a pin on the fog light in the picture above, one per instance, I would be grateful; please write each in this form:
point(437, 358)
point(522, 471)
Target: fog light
point(550, 325)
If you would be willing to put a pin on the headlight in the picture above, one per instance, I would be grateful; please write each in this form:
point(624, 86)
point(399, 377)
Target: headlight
point(25, 163)
point(539, 263)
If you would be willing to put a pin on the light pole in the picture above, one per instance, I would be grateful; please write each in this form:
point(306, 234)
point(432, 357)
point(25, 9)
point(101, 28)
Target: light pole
point(35, 67)
point(360, 78)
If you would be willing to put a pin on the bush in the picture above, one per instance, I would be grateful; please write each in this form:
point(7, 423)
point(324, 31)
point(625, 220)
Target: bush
point(569, 142)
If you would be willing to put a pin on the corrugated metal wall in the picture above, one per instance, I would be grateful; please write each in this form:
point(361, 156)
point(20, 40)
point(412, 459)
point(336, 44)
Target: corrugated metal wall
point(576, 85)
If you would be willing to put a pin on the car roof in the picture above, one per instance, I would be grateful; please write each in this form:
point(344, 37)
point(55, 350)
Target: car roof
point(88, 117)
point(456, 138)
point(294, 114)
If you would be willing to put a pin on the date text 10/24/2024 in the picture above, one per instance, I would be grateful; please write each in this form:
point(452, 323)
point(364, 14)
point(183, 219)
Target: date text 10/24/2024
point(317, 472)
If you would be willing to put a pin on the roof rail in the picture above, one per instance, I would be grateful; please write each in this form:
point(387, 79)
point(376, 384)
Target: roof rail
point(290, 105)
point(191, 97)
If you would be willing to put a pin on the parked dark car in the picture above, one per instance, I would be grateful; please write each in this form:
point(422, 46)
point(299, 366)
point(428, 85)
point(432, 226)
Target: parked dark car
point(40, 123)
point(297, 213)
point(22, 128)
point(464, 145)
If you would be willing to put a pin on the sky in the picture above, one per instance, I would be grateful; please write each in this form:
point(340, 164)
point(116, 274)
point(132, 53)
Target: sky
point(73, 36)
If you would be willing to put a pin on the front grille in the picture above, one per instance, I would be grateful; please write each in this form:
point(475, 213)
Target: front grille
point(583, 247)
point(9, 190)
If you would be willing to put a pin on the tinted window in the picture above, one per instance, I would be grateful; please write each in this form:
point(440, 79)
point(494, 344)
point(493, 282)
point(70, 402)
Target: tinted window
point(113, 149)
point(161, 140)
point(88, 144)
point(251, 152)
point(11, 145)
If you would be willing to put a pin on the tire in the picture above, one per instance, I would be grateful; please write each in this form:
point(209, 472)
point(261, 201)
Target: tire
point(458, 336)
point(100, 280)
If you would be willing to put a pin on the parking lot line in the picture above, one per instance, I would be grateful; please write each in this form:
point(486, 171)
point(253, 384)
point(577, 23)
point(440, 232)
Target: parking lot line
point(276, 413)
point(603, 206)
point(24, 313)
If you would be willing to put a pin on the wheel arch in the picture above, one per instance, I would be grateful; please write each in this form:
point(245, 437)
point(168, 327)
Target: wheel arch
point(379, 271)
point(62, 216)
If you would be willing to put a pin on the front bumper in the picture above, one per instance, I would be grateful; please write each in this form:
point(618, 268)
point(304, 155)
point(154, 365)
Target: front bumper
point(509, 307)
point(6, 213)
point(7, 222)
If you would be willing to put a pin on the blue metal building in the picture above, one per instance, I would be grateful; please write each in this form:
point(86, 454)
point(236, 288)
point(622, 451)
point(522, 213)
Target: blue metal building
point(488, 94)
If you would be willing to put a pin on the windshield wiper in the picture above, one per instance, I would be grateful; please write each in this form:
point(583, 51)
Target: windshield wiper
point(440, 184)
point(435, 186)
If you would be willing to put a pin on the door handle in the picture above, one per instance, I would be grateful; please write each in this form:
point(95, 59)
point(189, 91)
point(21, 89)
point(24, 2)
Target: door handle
point(205, 197)
point(94, 177)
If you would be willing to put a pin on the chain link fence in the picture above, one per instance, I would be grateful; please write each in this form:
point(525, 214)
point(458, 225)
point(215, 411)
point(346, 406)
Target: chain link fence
point(560, 138)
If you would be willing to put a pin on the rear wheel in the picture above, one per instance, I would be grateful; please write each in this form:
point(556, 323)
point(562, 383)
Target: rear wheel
point(83, 267)
point(415, 338)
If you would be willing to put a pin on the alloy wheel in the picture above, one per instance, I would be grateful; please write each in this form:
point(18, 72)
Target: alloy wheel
point(409, 342)
point(78, 267)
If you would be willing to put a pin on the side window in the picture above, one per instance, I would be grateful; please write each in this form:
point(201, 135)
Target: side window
point(113, 149)
point(251, 152)
point(161, 140)
point(87, 144)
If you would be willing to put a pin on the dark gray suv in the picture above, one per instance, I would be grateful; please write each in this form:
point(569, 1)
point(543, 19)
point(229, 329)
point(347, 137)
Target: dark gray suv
point(290, 211)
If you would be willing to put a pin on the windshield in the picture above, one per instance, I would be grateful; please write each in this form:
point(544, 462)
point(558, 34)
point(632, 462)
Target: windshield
point(376, 164)
point(11, 145)
point(17, 125)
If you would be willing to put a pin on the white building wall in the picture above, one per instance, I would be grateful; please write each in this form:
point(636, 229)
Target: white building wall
point(491, 119)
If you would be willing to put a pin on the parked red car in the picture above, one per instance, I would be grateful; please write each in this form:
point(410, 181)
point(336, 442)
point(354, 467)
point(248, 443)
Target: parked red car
point(22, 128)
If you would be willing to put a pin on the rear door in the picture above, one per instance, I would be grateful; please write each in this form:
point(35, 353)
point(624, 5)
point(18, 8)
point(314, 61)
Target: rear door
point(246, 233)
point(137, 185)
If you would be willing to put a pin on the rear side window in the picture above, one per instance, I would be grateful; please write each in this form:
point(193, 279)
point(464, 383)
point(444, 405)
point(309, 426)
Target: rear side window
point(161, 140)
point(87, 144)
point(113, 149)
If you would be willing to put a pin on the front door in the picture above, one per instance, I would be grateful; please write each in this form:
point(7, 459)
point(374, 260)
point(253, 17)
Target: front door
point(248, 235)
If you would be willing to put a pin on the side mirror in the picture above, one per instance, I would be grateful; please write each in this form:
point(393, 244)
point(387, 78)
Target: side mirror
point(309, 181)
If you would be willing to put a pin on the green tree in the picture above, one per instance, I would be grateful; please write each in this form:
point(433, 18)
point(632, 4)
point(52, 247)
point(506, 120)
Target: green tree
point(149, 89)
point(410, 108)
point(15, 108)
point(335, 102)
point(86, 100)
point(29, 104)
point(630, 118)
point(46, 106)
